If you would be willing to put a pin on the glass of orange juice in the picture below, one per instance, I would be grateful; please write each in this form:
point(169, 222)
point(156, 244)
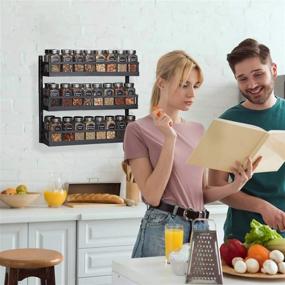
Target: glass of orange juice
point(174, 234)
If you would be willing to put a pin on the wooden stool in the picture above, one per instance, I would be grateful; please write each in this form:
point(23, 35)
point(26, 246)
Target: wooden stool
point(27, 262)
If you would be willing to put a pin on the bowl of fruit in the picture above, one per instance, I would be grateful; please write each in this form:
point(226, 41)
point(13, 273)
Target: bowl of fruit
point(18, 197)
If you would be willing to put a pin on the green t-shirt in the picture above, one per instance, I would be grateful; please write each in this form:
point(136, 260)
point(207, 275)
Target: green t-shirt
point(269, 186)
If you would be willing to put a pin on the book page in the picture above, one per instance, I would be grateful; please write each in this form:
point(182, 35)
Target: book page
point(226, 142)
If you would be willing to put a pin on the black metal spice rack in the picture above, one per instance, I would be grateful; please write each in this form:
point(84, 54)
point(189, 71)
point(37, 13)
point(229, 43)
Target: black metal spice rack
point(45, 70)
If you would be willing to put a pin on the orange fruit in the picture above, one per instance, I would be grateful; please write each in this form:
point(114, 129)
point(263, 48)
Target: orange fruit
point(258, 252)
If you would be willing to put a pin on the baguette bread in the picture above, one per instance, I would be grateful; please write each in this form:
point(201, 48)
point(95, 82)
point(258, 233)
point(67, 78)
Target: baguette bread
point(95, 198)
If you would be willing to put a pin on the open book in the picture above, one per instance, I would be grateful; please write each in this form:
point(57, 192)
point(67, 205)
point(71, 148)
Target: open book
point(226, 142)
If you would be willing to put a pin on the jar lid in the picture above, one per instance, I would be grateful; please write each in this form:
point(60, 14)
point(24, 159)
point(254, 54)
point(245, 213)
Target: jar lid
point(65, 85)
point(119, 117)
point(78, 118)
point(67, 119)
point(88, 118)
point(53, 85)
point(89, 51)
point(131, 51)
point(87, 85)
point(48, 118)
point(107, 85)
point(131, 118)
point(99, 119)
point(129, 84)
point(66, 51)
point(97, 85)
point(78, 51)
point(118, 84)
point(55, 51)
point(56, 120)
point(76, 85)
point(109, 118)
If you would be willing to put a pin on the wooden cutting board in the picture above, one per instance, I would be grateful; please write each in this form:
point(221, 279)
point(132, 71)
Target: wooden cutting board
point(91, 205)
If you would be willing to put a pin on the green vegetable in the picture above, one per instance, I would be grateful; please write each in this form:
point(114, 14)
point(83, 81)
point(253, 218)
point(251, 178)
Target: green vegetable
point(260, 234)
point(278, 243)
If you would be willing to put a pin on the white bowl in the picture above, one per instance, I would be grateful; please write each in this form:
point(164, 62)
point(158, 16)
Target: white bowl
point(19, 200)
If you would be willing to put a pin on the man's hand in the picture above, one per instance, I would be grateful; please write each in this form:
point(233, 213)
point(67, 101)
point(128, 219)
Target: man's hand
point(273, 217)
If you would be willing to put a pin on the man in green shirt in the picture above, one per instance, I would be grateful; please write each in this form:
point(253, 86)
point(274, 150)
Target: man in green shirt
point(263, 196)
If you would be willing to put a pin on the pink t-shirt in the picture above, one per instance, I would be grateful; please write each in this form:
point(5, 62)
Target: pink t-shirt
point(184, 188)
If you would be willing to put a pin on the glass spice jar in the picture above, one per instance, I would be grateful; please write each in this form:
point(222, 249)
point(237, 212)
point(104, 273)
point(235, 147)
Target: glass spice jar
point(98, 94)
point(122, 61)
point(89, 127)
point(79, 128)
point(100, 128)
point(130, 93)
point(89, 65)
point(120, 126)
point(78, 59)
point(108, 94)
point(87, 94)
point(53, 95)
point(66, 94)
point(54, 60)
point(47, 122)
point(67, 59)
point(55, 128)
point(119, 93)
point(130, 118)
point(110, 127)
point(100, 61)
point(112, 61)
point(133, 61)
point(67, 125)
point(77, 94)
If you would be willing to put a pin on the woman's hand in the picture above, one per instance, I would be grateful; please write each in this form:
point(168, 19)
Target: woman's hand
point(243, 175)
point(163, 122)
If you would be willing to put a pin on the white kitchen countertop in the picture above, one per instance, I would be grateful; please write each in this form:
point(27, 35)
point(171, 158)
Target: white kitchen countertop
point(154, 271)
point(45, 214)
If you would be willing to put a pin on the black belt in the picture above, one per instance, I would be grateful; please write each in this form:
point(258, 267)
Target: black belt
point(187, 214)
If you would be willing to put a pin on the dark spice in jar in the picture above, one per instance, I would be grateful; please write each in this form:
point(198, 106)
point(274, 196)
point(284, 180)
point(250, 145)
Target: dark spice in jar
point(131, 98)
point(66, 94)
point(108, 94)
point(67, 58)
point(110, 127)
point(87, 94)
point(100, 61)
point(77, 94)
point(112, 61)
point(120, 126)
point(47, 122)
point(54, 60)
point(133, 61)
point(98, 94)
point(78, 59)
point(79, 128)
point(53, 95)
point(67, 125)
point(122, 61)
point(89, 65)
point(100, 128)
point(55, 128)
point(89, 127)
point(119, 93)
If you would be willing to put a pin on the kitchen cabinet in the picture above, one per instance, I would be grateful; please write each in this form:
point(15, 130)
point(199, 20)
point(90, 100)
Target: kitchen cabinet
point(51, 235)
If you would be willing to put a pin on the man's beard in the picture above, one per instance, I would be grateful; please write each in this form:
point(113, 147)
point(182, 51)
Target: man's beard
point(265, 94)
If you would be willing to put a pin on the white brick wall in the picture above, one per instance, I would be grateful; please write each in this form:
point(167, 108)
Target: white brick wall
point(206, 29)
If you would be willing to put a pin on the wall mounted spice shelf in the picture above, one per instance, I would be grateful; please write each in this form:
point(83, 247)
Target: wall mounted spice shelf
point(45, 104)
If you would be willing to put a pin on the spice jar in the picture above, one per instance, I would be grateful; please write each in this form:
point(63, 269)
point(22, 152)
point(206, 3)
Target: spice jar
point(54, 60)
point(47, 122)
point(108, 94)
point(89, 66)
point(130, 118)
point(122, 61)
point(89, 127)
point(100, 128)
point(112, 61)
point(66, 94)
point(78, 59)
point(110, 127)
point(87, 94)
point(52, 95)
point(79, 128)
point(119, 93)
point(77, 94)
point(98, 94)
point(67, 125)
point(120, 126)
point(100, 61)
point(130, 93)
point(133, 61)
point(67, 60)
point(55, 128)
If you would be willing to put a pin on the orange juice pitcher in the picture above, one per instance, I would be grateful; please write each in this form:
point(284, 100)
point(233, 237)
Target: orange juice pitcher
point(174, 235)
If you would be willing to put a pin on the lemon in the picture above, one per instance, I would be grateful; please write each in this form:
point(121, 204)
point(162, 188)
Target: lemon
point(22, 189)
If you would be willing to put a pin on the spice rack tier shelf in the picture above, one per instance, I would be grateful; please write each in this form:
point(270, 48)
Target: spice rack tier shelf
point(45, 71)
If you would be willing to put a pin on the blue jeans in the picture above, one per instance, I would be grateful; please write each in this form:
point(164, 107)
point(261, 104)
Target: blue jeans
point(150, 239)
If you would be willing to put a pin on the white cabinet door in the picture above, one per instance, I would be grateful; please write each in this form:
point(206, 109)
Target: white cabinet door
point(99, 280)
point(60, 236)
point(12, 236)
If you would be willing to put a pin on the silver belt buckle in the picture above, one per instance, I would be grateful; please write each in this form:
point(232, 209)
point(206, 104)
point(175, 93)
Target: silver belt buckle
point(185, 214)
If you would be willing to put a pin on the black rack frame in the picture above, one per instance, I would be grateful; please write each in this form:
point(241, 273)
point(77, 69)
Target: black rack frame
point(44, 70)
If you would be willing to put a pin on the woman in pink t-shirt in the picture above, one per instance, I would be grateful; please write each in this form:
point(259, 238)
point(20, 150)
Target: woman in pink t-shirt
point(157, 146)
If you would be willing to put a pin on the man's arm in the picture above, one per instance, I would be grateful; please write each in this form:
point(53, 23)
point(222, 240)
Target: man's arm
point(271, 215)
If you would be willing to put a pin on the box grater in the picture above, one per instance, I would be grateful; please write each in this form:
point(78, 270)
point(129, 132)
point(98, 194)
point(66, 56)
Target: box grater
point(204, 260)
